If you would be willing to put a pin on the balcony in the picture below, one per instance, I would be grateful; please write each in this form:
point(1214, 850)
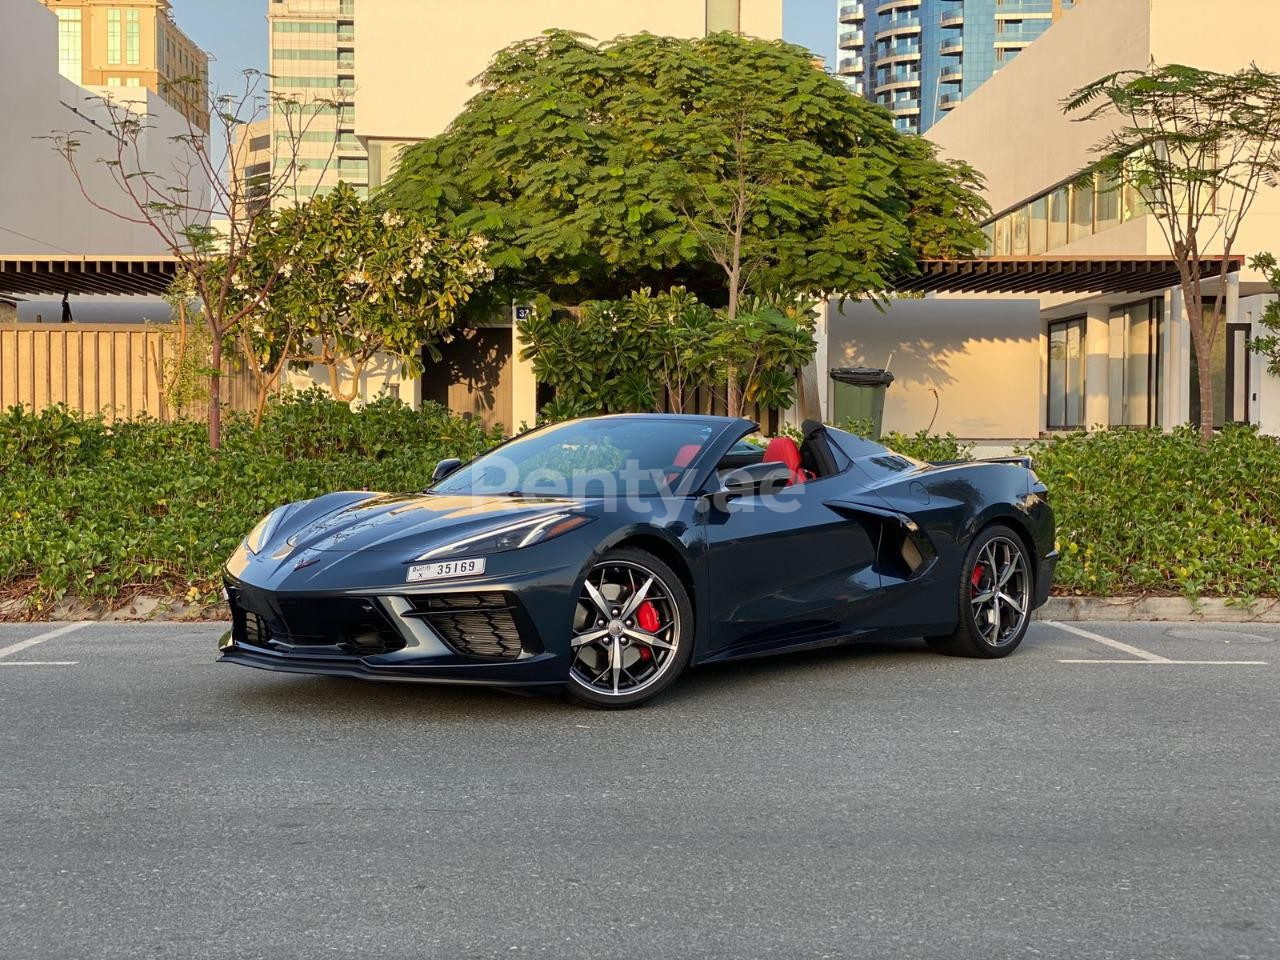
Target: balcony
point(951, 20)
point(948, 101)
point(851, 66)
point(893, 5)
point(855, 86)
point(905, 108)
point(951, 74)
point(853, 13)
point(852, 40)
point(951, 48)
point(898, 27)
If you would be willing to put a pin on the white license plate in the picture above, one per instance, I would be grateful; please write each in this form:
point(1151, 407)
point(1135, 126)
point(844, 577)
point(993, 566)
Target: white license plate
point(443, 569)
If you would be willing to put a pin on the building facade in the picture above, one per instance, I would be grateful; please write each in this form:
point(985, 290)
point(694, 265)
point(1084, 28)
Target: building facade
point(133, 43)
point(921, 58)
point(251, 168)
point(968, 364)
point(313, 86)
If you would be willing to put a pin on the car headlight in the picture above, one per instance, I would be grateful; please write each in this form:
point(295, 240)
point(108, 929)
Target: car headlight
point(261, 535)
point(511, 536)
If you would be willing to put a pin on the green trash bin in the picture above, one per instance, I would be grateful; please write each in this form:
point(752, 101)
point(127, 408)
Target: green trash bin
point(857, 393)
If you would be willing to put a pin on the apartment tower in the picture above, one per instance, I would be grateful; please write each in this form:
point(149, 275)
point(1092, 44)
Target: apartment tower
point(313, 63)
point(920, 58)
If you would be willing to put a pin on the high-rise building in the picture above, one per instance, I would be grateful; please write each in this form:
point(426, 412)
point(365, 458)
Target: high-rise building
point(133, 43)
point(251, 168)
point(919, 58)
point(313, 66)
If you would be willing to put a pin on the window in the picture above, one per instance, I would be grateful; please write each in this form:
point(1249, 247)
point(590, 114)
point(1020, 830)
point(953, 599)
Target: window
point(1058, 205)
point(1135, 400)
point(132, 38)
point(1020, 239)
point(113, 36)
point(1082, 209)
point(1109, 197)
point(304, 26)
point(133, 82)
point(70, 45)
point(113, 81)
point(1038, 226)
point(260, 143)
point(1065, 408)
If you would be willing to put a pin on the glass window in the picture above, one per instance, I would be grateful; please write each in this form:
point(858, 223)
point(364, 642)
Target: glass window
point(1081, 209)
point(585, 458)
point(132, 38)
point(1065, 408)
point(70, 45)
point(1059, 202)
point(1109, 197)
point(1004, 237)
point(1038, 226)
point(1133, 204)
point(1019, 230)
point(113, 36)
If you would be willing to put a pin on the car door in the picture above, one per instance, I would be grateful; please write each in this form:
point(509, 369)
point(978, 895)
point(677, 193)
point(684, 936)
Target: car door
point(786, 570)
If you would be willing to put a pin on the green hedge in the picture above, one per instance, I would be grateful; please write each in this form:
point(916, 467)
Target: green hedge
point(103, 512)
point(1141, 511)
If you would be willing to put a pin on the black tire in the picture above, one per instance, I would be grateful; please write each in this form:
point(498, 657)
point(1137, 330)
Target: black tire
point(990, 623)
point(670, 597)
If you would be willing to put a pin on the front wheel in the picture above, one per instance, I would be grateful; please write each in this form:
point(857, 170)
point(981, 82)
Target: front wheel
point(994, 598)
point(632, 631)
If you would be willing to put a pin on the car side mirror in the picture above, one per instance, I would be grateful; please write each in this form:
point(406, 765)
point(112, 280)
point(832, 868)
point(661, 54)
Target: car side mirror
point(444, 468)
point(753, 480)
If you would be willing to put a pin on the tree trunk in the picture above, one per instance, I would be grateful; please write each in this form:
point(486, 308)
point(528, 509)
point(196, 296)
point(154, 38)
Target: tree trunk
point(215, 393)
point(733, 389)
point(1204, 362)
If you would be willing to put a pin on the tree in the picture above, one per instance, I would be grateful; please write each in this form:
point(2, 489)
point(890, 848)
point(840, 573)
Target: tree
point(721, 164)
point(179, 201)
point(1198, 146)
point(353, 281)
point(1268, 346)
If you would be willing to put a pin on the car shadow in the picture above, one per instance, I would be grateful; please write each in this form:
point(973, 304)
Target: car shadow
point(302, 695)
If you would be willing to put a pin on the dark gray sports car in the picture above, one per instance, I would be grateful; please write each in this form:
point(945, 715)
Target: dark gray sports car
point(604, 556)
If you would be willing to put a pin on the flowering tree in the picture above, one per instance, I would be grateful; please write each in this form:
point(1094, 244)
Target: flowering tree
point(354, 282)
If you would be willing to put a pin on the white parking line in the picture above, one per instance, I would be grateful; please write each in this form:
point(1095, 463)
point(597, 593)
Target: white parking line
point(1143, 656)
point(1107, 641)
point(27, 644)
point(39, 663)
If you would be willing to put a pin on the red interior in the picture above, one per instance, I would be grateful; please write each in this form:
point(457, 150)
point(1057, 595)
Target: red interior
point(784, 450)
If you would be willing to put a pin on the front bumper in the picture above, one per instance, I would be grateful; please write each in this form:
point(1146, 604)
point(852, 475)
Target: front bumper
point(479, 633)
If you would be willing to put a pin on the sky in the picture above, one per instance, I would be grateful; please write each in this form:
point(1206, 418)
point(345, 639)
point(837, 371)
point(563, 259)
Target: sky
point(235, 32)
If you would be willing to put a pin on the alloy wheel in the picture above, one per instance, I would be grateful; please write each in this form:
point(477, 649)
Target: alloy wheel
point(1000, 591)
point(626, 629)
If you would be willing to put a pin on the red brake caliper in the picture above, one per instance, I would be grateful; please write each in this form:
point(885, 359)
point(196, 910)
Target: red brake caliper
point(978, 571)
point(647, 620)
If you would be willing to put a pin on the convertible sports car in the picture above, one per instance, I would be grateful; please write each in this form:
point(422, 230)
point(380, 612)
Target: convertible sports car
point(603, 556)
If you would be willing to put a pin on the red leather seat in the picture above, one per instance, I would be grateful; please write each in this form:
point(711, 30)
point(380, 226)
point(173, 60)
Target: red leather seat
point(784, 450)
point(685, 455)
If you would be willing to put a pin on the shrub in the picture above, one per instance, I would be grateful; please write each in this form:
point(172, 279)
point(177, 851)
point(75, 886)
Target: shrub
point(1143, 511)
point(106, 511)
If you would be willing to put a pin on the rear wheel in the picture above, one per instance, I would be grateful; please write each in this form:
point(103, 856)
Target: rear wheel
point(994, 597)
point(632, 631)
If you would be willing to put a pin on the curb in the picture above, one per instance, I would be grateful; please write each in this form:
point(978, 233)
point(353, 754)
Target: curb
point(1156, 609)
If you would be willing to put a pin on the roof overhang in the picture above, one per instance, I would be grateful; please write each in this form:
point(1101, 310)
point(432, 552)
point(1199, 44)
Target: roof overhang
point(1037, 275)
point(40, 275)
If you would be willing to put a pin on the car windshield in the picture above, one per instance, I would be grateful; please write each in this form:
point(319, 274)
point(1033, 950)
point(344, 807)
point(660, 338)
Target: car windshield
point(646, 456)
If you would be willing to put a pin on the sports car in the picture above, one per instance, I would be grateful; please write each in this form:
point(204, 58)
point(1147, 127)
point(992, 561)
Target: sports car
point(606, 555)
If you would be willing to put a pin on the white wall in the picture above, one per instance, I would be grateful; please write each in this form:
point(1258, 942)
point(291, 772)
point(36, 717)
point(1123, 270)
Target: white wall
point(976, 362)
point(41, 208)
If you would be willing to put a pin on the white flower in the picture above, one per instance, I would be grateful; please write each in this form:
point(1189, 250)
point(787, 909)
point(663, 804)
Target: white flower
point(391, 220)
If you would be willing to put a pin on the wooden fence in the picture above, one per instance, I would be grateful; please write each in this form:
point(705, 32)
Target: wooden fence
point(112, 369)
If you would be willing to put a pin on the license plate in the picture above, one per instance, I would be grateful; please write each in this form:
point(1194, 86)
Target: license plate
point(443, 569)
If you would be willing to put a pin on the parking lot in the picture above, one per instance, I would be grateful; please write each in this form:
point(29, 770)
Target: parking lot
point(1110, 791)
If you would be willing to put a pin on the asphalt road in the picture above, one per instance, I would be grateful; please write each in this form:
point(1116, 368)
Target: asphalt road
point(878, 803)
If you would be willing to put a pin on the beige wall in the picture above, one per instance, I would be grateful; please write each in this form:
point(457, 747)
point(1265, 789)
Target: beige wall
point(428, 51)
point(981, 357)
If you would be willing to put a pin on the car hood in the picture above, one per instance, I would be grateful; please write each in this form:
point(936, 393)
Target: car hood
point(407, 524)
